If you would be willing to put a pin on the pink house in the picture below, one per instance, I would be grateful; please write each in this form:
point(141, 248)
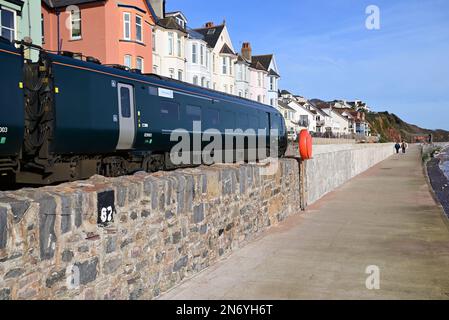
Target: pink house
point(115, 32)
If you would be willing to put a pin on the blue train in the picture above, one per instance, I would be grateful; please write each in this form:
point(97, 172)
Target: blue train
point(65, 119)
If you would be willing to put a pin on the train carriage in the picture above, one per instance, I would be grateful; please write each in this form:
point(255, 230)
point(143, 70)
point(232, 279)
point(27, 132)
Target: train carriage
point(11, 107)
point(97, 119)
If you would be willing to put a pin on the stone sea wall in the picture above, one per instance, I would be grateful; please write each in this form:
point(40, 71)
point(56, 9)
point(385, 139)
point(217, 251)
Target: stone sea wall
point(135, 237)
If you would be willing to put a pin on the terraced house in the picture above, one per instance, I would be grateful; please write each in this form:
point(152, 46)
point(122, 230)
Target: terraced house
point(115, 32)
point(21, 20)
point(223, 56)
point(169, 41)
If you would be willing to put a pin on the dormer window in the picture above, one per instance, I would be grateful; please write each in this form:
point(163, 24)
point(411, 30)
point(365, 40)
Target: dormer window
point(211, 31)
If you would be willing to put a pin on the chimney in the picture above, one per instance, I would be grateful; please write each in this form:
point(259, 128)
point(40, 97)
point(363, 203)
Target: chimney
point(209, 24)
point(247, 51)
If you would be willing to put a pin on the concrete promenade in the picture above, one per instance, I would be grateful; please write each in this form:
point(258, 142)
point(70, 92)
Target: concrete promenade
point(385, 217)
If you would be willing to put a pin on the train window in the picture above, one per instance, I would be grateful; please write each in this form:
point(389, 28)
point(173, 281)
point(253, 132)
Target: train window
point(253, 122)
point(276, 123)
point(125, 97)
point(193, 113)
point(264, 122)
point(153, 91)
point(169, 110)
point(228, 119)
point(242, 121)
point(212, 118)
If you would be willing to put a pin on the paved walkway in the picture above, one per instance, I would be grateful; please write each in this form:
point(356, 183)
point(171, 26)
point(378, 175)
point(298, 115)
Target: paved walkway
point(384, 217)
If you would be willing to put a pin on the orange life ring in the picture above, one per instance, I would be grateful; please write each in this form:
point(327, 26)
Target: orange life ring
point(305, 145)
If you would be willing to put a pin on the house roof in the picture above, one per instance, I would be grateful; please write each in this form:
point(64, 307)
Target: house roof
point(321, 112)
point(226, 50)
point(257, 65)
point(171, 23)
point(264, 60)
point(273, 73)
point(212, 34)
point(285, 92)
point(285, 106)
point(64, 3)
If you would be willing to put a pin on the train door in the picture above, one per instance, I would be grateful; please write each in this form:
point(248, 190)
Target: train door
point(127, 117)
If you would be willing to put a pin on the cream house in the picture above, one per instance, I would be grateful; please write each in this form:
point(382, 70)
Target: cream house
point(168, 43)
point(223, 57)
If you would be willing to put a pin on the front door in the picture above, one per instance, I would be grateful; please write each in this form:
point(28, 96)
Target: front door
point(127, 119)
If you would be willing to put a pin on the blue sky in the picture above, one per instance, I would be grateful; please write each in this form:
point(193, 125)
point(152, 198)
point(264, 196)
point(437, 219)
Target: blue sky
point(324, 50)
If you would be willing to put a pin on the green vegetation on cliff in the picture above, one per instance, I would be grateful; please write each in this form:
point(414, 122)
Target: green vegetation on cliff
point(391, 128)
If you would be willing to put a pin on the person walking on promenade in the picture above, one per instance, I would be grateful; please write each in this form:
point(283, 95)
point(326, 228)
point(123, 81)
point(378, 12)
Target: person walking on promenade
point(397, 147)
point(404, 146)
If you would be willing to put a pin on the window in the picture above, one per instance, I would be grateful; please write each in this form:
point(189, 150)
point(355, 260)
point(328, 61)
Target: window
point(259, 98)
point(43, 28)
point(207, 59)
point(139, 64)
point(259, 79)
point(202, 54)
point(127, 26)
point(240, 93)
point(170, 43)
point(230, 66)
point(239, 72)
point(213, 62)
point(212, 117)
point(195, 80)
point(155, 69)
point(169, 110)
point(154, 40)
point(272, 83)
point(225, 87)
point(242, 121)
point(171, 71)
point(180, 77)
point(194, 53)
point(231, 91)
point(179, 45)
point(75, 16)
point(125, 102)
point(127, 62)
point(193, 113)
point(215, 86)
point(139, 30)
point(225, 65)
point(208, 84)
point(272, 102)
point(203, 81)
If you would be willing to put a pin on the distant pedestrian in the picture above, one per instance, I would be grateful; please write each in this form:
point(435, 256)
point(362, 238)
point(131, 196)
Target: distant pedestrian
point(404, 146)
point(397, 146)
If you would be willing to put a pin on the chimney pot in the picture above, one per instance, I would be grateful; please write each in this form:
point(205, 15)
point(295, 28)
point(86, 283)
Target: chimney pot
point(247, 51)
point(209, 24)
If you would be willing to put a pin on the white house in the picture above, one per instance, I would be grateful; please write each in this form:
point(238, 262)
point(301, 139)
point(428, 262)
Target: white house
point(199, 60)
point(258, 82)
point(267, 63)
point(340, 124)
point(223, 56)
point(169, 38)
point(305, 118)
point(289, 116)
